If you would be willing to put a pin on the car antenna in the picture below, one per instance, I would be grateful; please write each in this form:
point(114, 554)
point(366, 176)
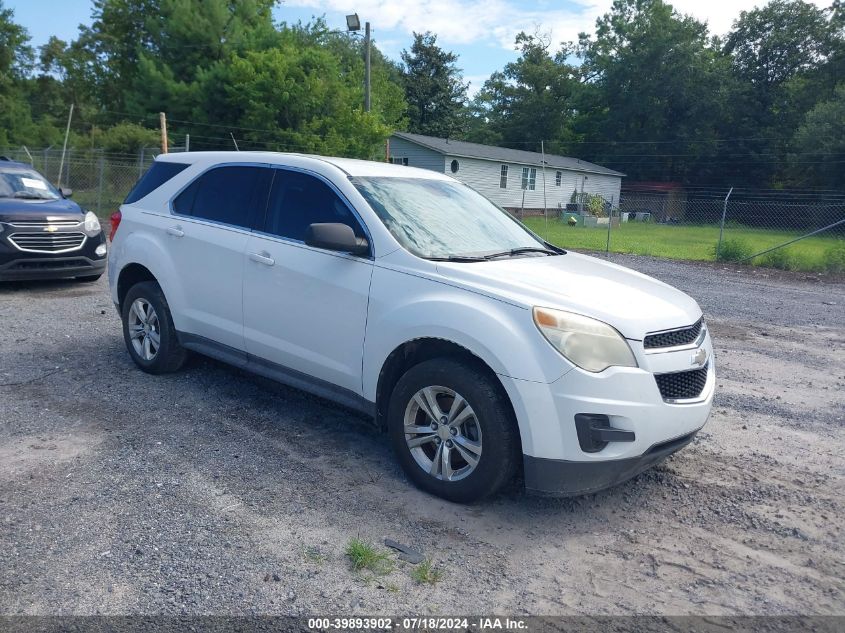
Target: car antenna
point(237, 149)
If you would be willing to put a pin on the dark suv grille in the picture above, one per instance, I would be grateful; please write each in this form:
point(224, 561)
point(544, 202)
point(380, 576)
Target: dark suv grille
point(682, 385)
point(674, 338)
point(47, 242)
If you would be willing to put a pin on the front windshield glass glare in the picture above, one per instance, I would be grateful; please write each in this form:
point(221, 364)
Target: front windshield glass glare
point(441, 219)
point(26, 184)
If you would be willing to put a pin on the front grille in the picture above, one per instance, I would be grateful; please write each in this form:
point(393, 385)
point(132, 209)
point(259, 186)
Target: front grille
point(47, 242)
point(674, 338)
point(682, 385)
point(43, 224)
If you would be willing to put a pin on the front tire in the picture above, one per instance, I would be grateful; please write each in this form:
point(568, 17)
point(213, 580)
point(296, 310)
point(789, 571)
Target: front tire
point(89, 279)
point(148, 330)
point(453, 430)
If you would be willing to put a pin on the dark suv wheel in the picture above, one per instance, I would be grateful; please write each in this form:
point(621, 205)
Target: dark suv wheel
point(148, 330)
point(453, 430)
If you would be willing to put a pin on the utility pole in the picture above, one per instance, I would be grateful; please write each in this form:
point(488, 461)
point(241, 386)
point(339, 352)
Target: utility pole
point(162, 123)
point(366, 66)
point(187, 142)
point(64, 147)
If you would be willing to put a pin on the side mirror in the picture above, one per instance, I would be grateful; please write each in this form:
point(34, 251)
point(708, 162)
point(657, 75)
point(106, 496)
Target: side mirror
point(66, 193)
point(336, 237)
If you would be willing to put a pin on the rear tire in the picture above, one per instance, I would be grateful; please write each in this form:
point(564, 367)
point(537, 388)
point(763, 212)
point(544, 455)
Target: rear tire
point(476, 430)
point(148, 330)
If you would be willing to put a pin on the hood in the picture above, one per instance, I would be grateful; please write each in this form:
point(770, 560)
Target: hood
point(633, 303)
point(14, 209)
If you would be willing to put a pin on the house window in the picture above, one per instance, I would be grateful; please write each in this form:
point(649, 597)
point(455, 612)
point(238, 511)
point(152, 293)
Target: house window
point(454, 167)
point(529, 178)
point(397, 160)
point(503, 177)
point(558, 177)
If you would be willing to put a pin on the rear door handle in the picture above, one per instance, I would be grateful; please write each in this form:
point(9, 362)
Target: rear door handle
point(262, 258)
point(176, 231)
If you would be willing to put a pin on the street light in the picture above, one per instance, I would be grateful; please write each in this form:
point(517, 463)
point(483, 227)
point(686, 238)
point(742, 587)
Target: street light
point(353, 25)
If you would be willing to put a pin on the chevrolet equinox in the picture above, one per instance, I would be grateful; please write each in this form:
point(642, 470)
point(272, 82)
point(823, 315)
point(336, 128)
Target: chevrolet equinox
point(483, 350)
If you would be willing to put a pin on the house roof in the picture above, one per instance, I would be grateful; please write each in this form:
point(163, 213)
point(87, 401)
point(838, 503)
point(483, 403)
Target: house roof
point(503, 154)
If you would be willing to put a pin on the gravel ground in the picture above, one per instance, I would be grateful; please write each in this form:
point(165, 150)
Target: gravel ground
point(211, 491)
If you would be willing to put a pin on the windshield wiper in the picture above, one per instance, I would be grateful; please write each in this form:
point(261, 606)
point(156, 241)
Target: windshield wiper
point(29, 196)
point(457, 258)
point(524, 249)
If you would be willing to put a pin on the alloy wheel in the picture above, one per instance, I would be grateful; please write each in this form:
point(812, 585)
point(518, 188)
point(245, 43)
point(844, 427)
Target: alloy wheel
point(144, 329)
point(442, 433)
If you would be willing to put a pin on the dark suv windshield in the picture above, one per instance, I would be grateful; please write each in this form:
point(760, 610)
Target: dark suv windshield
point(443, 219)
point(25, 183)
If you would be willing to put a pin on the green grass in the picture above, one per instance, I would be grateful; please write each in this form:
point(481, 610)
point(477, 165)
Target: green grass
point(818, 253)
point(426, 573)
point(364, 555)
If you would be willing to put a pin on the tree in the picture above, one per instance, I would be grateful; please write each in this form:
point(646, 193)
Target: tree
point(531, 99)
point(787, 55)
point(16, 58)
point(434, 88)
point(819, 145)
point(656, 94)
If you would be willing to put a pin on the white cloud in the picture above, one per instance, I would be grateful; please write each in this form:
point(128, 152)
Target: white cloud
point(497, 22)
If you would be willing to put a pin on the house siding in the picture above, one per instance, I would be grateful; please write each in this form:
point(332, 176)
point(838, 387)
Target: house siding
point(417, 156)
point(483, 176)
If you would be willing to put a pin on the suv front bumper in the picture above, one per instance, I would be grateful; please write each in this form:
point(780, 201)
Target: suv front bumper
point(643, 427)
point(561, 478)
point(18, 265)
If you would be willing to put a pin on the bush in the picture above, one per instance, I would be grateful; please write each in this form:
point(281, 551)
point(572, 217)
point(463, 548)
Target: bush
point(834, 258)
point(733, 251)
point(780, 259)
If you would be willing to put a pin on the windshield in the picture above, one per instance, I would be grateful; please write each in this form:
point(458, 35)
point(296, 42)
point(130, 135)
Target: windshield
point(27, 184)
point(441, 219)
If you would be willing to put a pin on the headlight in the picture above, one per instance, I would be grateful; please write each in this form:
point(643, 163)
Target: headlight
point(92, 224)
point(590, 344)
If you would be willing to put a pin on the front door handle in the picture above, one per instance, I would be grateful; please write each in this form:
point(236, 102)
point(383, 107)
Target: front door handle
point(262, 258)
point(176, 231)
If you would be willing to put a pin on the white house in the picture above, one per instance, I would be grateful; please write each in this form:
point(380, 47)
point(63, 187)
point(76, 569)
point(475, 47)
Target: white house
point(512, 178)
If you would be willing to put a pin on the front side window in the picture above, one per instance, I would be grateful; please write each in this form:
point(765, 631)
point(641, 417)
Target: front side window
point(529, 178)
point(27, 184)
point(503, 177)
point(298, 200)
point(441, 219)
point(229, 195)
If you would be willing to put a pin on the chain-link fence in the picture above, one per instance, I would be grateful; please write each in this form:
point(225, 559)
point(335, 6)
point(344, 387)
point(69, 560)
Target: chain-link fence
point(790, 230)
point(793, 230)
point(100, 180)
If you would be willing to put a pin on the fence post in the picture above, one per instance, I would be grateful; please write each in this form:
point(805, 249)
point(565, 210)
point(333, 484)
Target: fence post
point(609, 224)
point(100, 184)
point(722, 224)
point(141, 164)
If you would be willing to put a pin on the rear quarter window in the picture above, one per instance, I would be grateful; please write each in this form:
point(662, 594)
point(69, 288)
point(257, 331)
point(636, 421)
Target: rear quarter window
point(156, 176)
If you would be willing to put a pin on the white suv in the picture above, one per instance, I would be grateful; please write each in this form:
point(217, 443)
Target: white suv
point(483, 350)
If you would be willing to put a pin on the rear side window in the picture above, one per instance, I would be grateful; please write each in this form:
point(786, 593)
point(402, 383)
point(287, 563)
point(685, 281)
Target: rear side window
point(229, 195)
point(155, 177)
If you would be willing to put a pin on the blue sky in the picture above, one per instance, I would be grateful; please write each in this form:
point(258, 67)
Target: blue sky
point(481, 32)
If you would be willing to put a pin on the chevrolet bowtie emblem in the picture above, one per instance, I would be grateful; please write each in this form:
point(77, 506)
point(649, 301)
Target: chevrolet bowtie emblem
point(51, 229)
point(699, 358)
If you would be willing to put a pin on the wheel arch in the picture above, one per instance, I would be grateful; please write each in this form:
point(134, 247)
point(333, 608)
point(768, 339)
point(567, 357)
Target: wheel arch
point(130, 275)
point(418, 350)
